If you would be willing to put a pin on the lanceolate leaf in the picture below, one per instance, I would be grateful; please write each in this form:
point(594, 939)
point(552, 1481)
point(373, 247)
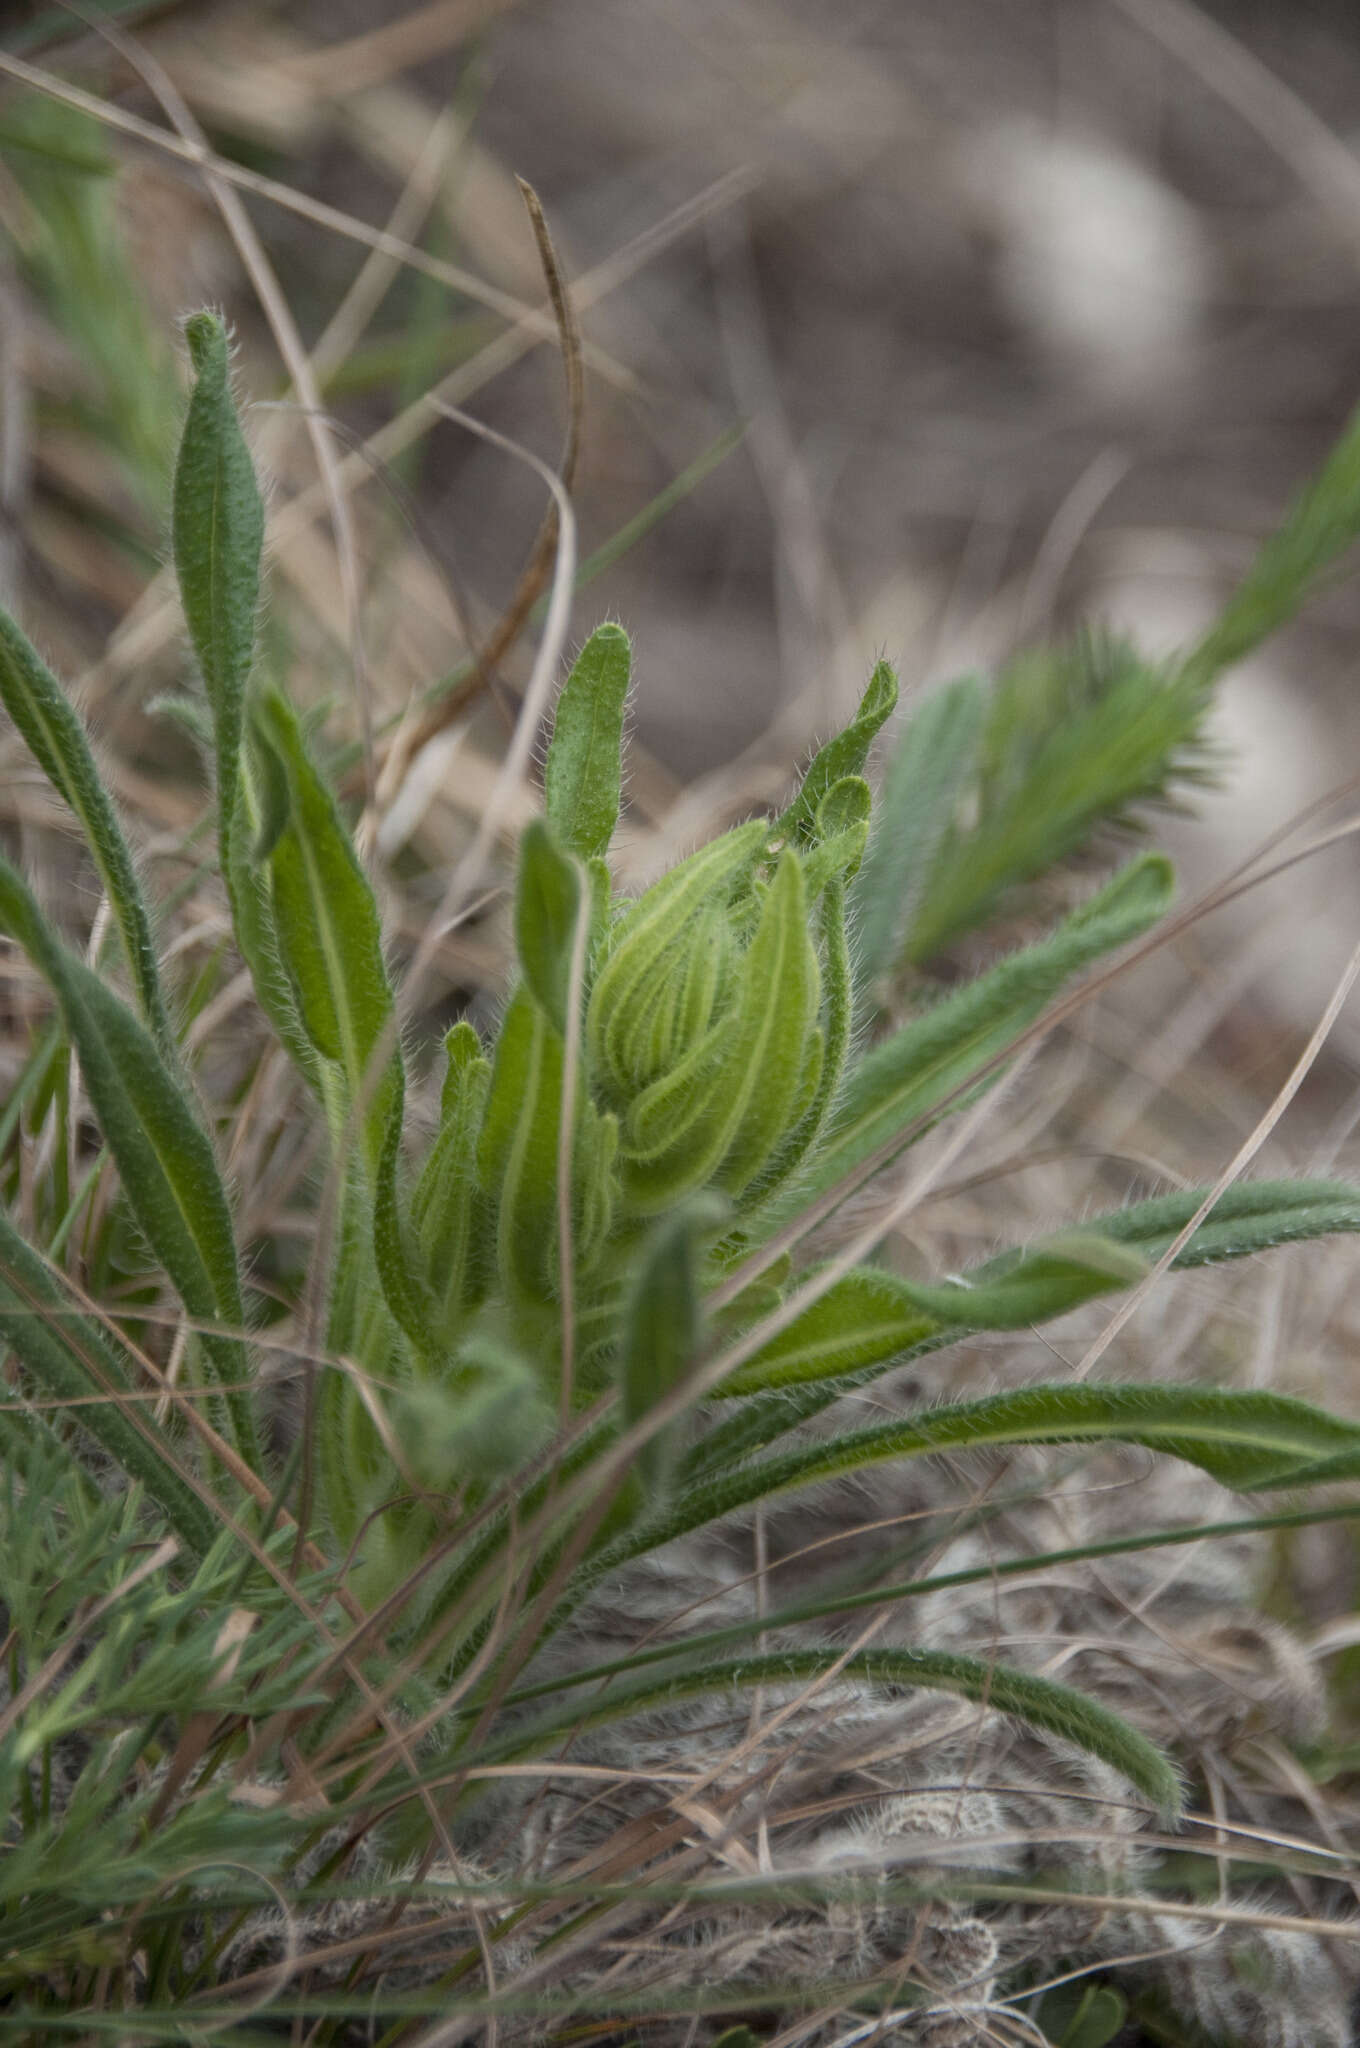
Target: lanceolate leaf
point(517, 1150)
point(548, 901)
point(872, 1319)
point(1037, 1702)
point(328, 934)
point(901, 1081)
point(929, 767)
point(448, 1206)
point(164, 1156)
point(517, 1159)
point(1243, 1440)
point(662, 1322)
point(1251, 1216)
point(329, 939)
point(1043, 1281)
point(582, 777)
point(865, 1319)
point(56, 738)
point(834, 1047)
point(69, 1358)
point(218, 530)
point(843, 756)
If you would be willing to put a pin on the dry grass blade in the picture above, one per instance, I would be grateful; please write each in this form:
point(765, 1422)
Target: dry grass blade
point(408, 743)
point(154, 619)
point(373, 56)
point(332, 218)
point(1236, 1166)
point(1319, 158)
point(467, 875)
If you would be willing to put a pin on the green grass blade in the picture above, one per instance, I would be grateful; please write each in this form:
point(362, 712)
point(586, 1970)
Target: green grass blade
point(67, 1357)
point(582, 778)
point(56, 738)
point(852, 1595)
point(1322, 523)
point(164, 1156)
point(901, 1081)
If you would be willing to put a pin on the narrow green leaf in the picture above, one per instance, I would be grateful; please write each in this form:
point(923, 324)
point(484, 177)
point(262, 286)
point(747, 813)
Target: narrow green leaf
point(831, 1046)
point(217, 535)
point(517, 1159)
point(881, 1319)
point(865, 1319)
point(68, 1357)
point(261, 815)
point(845, 755)
point(1243, 1440)
point(926, 775)
point(1321, 524)
point(548, 899)
point(1250, 1216)
point(448, 1206)
point(517, 1150)
point(900, 1081)
point(164, 1156)
point(217, 532)
point(56, 738)
point(663, 1323)
point(328, 930)
point(767, 1061)
point(1034, 1285)
point(1035, 1702)
point(582, 778)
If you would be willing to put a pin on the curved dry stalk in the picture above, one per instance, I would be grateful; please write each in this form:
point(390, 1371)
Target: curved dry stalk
point(408, 741)
point(1236, 1166)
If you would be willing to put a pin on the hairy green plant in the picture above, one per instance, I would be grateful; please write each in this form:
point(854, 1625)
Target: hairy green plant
point(586, 1324)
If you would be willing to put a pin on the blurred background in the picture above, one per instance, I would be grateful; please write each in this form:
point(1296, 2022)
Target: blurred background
point(923, 329)
point(943, 324)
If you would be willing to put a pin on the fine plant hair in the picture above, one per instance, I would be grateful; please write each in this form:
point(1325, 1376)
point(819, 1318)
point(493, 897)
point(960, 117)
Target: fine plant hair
point(447, 1704)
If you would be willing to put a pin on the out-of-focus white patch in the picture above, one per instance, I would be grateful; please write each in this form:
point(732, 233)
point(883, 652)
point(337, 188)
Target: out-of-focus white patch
point(1106, 268)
